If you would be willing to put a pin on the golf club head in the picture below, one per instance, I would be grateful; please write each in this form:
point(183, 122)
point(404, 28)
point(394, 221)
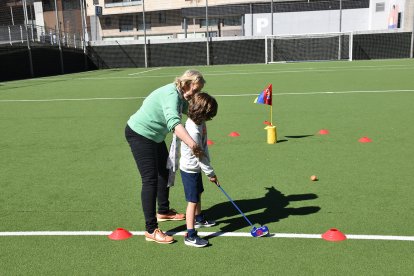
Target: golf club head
point(260, 231)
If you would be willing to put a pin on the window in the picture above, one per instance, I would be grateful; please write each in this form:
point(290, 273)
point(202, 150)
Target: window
point(70, 4)
point(399, 20)
point(122, 3)
point(211, 22)
point(380, 7)
point(125, 23)
point(162, 18)
point(140, 23)
point(48, 5)
point(232, 21)
point(108, 21)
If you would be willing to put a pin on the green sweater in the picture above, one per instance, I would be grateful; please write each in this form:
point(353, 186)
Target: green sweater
point(159, 113)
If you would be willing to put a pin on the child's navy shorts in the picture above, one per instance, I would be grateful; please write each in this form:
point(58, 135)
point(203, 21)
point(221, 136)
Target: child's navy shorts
point(193, 186)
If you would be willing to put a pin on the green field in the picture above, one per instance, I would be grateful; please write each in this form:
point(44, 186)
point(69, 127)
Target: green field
point(65, 166)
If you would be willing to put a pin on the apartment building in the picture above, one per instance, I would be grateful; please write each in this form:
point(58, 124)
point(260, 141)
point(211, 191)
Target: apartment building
point(164, 19)
point(168, 19)
point(68, 14)
point(43, 14)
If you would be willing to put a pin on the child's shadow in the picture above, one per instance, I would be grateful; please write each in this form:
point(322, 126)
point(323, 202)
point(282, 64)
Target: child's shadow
point(274, 203)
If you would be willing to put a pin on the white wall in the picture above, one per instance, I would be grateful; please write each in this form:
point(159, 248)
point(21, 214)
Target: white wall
point(307, 22)
point(380, 20)
point(324, 21)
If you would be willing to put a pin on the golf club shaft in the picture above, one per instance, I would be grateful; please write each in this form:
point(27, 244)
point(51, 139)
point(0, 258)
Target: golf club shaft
point(218, 185)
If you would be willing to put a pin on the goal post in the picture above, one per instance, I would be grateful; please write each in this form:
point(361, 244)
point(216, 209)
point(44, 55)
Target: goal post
point(308, 47)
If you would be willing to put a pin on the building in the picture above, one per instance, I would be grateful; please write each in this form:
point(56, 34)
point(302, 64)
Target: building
point(44, 20)
point(166, 19)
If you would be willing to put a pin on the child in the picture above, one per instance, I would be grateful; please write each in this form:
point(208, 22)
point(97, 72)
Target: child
point(202, 108)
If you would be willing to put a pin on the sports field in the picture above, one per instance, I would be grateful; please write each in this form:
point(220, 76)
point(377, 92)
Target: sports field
point(68, 179)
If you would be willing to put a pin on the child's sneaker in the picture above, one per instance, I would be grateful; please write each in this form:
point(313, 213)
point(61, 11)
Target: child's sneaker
point(195, 241)
point(204, 223)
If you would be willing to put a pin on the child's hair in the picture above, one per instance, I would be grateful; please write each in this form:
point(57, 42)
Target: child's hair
point(189, 76)
point(202, 107)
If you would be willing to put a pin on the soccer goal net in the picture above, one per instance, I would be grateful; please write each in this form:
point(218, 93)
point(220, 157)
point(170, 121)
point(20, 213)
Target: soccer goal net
point(308, 47)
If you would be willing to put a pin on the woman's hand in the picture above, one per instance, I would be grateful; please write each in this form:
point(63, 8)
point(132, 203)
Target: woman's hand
point(198, 152)
point(182, 133)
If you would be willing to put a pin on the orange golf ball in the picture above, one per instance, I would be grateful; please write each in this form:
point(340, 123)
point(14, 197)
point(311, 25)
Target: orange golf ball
point(314, 178)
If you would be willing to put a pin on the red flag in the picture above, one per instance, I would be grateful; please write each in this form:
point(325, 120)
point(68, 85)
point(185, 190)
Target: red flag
point(266, 96)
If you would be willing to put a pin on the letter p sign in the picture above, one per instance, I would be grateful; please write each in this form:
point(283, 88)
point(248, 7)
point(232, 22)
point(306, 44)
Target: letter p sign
point(260, 24)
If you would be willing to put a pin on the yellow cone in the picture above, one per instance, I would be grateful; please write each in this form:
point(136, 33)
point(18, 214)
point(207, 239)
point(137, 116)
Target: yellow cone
point(271, 134)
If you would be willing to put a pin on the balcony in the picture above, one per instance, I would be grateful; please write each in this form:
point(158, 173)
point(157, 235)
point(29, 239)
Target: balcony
point(122, 3)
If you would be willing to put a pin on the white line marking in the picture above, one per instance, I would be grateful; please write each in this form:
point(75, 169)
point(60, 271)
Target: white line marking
point(85, 99)
point(211, 234)
point(57, 233)
point(242, 72)
point(320, 92)
point(138, 73)
point(223, 95)
point(277, 71)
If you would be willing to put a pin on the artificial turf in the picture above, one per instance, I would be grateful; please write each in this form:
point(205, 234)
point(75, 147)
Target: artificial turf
point(65, 166)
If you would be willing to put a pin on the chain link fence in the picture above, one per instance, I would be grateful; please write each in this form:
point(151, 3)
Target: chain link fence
point(139, 33)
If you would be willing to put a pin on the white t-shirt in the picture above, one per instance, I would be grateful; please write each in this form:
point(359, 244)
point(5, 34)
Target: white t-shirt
point(189, 163)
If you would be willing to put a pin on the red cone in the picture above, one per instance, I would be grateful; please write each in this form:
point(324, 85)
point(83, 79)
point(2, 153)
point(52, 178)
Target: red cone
point(333, 234)
point(234, 134)
point(365, 140)
point(120, 234)
point(267, 123)
point(209, 142)
point(323, 132)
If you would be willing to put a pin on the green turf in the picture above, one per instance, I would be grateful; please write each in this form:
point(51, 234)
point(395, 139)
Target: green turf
point(65, 166)
point(234, 256)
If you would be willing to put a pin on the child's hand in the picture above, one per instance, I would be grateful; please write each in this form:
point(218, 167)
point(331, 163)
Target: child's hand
point(213, 179)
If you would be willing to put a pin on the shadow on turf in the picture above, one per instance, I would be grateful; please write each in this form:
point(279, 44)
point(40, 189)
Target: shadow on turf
point(294, 137)
point(274, 203)
point(298, 136)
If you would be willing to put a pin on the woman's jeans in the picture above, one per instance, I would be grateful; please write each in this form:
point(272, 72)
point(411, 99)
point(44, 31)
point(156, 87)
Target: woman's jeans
point(151, 159)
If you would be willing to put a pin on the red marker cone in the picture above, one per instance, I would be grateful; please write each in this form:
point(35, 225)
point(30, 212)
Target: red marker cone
point(323, 132)
point(267, 123)
point(333, 234)
point(209, 142)
point(234, 134)
point(120, 234)
point(365, 140)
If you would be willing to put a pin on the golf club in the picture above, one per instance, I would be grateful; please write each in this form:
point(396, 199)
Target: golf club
point(256, 231)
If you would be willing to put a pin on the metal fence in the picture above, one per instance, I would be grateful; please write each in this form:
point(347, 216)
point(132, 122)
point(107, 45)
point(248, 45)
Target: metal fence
point(196, 33)
point(245, 50)
point(31, 34)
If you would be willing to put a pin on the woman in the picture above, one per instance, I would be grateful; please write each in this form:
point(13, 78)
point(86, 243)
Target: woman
point(145, 132)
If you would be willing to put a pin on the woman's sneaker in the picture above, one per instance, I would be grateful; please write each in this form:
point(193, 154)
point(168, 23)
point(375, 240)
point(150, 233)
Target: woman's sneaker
point(195, 241)
point(158, 236)
point(204, 223)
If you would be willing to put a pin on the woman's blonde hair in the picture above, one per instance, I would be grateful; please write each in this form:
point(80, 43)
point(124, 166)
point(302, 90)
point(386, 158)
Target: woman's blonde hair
point(189, 76)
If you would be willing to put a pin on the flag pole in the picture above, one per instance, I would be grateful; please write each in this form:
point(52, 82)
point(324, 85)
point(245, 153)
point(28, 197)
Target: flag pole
point(271, 115)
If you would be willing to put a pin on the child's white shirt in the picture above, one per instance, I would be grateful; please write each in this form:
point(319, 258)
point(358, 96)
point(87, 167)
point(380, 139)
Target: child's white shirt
point(189, 163)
